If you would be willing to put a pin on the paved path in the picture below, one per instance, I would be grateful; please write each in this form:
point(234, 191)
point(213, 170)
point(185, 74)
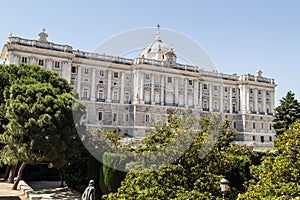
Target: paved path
point(6, 193)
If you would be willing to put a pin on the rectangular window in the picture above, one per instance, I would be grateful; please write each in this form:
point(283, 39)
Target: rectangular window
point(147, 118)
point(147, 76)
point(101, 73)
point(262, 139)
point(114, 119)
point(74, 70)
point(190, 82)
point(270, 126)
point(116, 75)
point(270, 138)
point(56, 65)
point(226, 89)
point(205, 86)
point(169, 80)
point(115, 95)
point(253, 138)
point(86, 71)
point(85, 93)
point(100, 116)
point(41, 62)
point(259, 91)
point(24, 59)
point(234, 124)
point(253, 125)
point(126, 117)
point(215, 88)
point(267, 92)
point(262, 125)
point(251, 91)
point(233, 90)
point(101, 95)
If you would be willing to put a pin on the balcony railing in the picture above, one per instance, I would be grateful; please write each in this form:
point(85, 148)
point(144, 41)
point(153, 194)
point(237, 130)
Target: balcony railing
point(100, 100)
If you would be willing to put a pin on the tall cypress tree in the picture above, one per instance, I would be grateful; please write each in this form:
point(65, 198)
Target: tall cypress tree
point(286, 113)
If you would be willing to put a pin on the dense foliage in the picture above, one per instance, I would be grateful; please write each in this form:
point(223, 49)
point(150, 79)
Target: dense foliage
point(195, 174)
point(278, 177)
point(286, 113)
point(41, 112)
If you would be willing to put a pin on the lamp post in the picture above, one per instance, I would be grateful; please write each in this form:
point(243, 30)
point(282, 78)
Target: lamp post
point(224, 186)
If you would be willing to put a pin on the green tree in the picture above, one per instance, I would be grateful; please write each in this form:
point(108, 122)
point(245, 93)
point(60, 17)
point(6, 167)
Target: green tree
point(196, 174)
point(286, 113)
point(278, 176)
point(42, 113)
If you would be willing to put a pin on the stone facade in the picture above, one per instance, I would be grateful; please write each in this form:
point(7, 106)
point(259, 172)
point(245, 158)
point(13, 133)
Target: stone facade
point(130, 94)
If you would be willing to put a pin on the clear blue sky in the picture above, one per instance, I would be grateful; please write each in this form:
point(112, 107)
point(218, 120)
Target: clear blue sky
point(239, 36)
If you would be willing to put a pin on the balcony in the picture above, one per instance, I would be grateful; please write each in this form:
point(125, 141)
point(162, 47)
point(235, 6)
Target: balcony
point(253, 112)
point(100, 100)
point(205, 109)
point(261, 113)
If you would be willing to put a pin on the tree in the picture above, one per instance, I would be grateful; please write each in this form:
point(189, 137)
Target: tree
point(286, 113)
point(278, 177)
point(42, 113)
point(196, 174)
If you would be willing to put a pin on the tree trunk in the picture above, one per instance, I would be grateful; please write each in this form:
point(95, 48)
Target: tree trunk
point(12, 173)
point(62, 178)
point(6, 175)
point(19, 177)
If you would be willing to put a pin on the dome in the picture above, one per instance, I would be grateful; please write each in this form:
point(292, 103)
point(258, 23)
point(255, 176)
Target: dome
point(158, 50)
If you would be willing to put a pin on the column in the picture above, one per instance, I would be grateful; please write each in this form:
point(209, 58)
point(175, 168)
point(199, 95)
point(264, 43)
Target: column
point(135, 87)
point(247, 98)
point(210, 97)
point(221, 98)
point(141, 87)
point(152, 90)
point(122, 87)
point(108, 99)
point(186, 93)
point(263, 92)
point(272, 100)
point(162, 90)
point(230, 99)
point(200, 96)
point(196, 89)
point(176, 95)
point(255, 101)
point(93, 85)
point(78, 81)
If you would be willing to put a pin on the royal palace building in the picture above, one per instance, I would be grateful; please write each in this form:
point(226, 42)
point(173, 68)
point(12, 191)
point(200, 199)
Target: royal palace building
point(130, 94)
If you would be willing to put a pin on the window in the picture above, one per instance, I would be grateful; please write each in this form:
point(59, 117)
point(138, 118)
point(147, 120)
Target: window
point(259, 91)
point(253, 125)
point(101, 73)
point(215, 88)
point(100, 82)
point(56, 64)
point(74, 69)
point(267, 92)
point(233, 90)
point(85, 93)
point(270, 127)
point(147, 118)
point(253, 138)
point(41, 62)
point(86, 70)
point(100, 116)
point(270, 138)
point(226, 89)
point(215, 105)
point(262, 139)
point(190, 82)
point(100, 94)
point(205, 86)
point(116, 75)
point(115, 95)
point(234, 124)
point(24, 59)
point(169, 80)
point(262, 125)
point(126, 117)
point(114, 117)
point(147, 76)
point(251, 90)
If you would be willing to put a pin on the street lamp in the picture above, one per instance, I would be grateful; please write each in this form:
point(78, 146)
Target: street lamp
point(224, 186)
